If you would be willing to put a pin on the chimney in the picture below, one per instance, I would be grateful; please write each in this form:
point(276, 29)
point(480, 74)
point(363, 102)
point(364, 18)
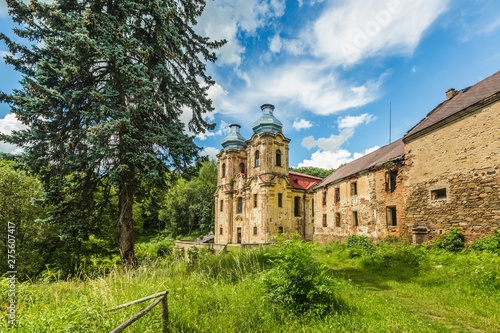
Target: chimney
point(450, 93)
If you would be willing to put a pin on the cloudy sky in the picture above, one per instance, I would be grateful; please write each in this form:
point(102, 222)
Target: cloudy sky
point(335, 70)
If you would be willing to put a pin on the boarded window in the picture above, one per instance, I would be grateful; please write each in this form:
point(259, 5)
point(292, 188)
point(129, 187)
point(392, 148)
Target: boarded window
point(239, 208)
point(354, 188)
point(280, 200)
point(438, 194)
point(355, 221)
point(391, 216)
point(337, 219)
point(296, 206)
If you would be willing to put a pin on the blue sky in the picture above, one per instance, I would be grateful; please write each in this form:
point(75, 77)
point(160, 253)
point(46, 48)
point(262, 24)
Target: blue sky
point(333, 69)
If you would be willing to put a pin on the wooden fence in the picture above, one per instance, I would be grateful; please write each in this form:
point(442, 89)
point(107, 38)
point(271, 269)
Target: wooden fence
point(161, 299)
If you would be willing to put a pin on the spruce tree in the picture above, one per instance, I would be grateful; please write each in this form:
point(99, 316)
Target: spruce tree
point(104, 85)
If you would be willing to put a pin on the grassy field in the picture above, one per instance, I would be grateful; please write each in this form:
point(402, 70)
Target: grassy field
point(378, 288)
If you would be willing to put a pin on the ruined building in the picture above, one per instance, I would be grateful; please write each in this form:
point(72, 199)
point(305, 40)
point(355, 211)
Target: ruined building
point(445, 172)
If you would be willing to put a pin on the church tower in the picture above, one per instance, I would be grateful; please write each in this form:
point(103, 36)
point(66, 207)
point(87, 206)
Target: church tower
point(257, 197)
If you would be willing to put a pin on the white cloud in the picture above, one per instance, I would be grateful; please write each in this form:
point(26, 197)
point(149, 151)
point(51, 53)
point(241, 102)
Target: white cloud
point(331, 143)
point(224, 19)
point(275, 44)
point(210, 152)
point(328, 159)
point(354, 121)
point(7, 126)
point(350, 31)
point(221, 130)
point(300, 124)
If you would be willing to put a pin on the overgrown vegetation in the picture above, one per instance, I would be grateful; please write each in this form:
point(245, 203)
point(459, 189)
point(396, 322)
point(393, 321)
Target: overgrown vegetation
point(393, 287)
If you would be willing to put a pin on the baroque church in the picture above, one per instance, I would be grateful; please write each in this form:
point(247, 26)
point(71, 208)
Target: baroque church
point(443, 173)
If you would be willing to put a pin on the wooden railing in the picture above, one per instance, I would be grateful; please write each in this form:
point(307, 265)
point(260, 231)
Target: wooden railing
point(161, 299)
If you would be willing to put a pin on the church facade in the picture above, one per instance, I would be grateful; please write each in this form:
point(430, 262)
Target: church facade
point(257, 197)
point(444, 173)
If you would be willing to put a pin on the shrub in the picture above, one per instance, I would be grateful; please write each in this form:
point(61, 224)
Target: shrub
point(359, 246)
point(297, 281)
point(452, 241)
point(488, 243)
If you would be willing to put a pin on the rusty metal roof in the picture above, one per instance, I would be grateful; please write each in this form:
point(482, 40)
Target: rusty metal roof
point(461, 100)
point(376, 158)
point(302, 181)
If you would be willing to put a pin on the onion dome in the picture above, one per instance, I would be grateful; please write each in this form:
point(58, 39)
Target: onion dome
point(268, 123)
point(234, 140)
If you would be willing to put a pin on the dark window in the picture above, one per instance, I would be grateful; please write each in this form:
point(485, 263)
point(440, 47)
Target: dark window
point(280, 200)
point(390, 181)
point(221, 205)
point(325, 223)
point(223, 170)
point(255, 201)
point(221, 231)
point(312, 207)
point(239, 209)
point(254, 231)
point(296, 206)
point(337, 219)
point(391, 216)
point(438, 194)
point(257, 159)
point(354, 188)
point(280, 230)
point(278, 157)
point(337, 194)
point(355, 221)
point(242, 167)
point(324, 197)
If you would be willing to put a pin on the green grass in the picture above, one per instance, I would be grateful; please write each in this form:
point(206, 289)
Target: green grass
point(391, 288)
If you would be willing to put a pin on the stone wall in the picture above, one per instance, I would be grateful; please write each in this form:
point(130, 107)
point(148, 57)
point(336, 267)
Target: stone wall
point(453, 176)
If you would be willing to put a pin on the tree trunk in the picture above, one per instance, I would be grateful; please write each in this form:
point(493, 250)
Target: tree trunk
point(126, 200)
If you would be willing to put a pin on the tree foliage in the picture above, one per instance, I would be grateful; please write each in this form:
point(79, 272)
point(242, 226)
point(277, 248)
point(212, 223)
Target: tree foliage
point(188, 205)
point(313, 171)
point(104, 85)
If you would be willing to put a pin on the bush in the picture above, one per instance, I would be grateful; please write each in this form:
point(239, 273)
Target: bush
point(297, 281)
point(359, 246)
point(488, 243)
point(453, 241)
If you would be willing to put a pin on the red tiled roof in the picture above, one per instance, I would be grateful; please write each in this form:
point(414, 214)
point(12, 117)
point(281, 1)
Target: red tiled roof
point(376, 158)
point(302, 181)
point(463, 99)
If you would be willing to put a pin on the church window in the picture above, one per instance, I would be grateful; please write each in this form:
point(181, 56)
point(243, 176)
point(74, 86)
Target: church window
point(325, 223)
point(278, 157)
point(355, 221)
point(221, 231)
point(239, 208)
point(255, 201)
point(296, 206)
point(221, 205)
point(280, 200)
point(255, 231)
point(337, 194)
point(223, 170)
point(390, 181)
point(337, 219)
point(354, 188)
point(257, 159)
point(391, 216)
point(242, 167)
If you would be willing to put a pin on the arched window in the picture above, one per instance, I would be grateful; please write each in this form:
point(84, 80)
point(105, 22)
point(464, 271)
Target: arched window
point(242, 167)
point(278, 157)
point(257, 159)
point(223, 170)
point(296, 206)
point(239, 207)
